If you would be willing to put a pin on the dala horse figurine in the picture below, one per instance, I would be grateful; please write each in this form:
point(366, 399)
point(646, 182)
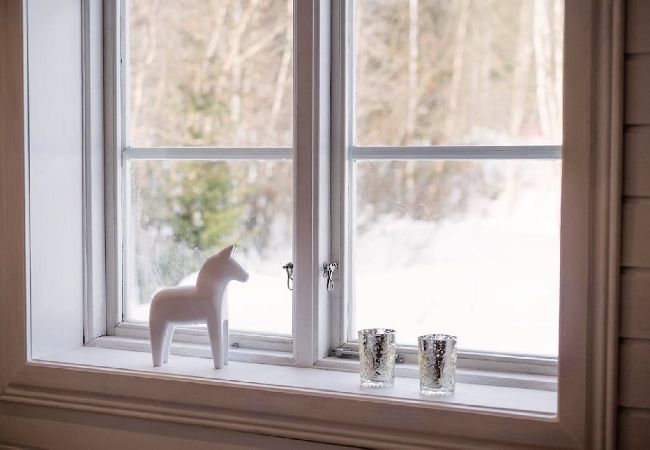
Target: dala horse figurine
point(204, 303)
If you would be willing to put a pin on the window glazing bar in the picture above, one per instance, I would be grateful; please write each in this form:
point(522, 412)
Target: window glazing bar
point(208, 153)
point(458, 152)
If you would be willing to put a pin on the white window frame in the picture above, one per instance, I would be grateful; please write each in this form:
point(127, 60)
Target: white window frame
point(332, 332)
point(345, 153)
point(589, 282)
point(307, 344)
point(119, 185)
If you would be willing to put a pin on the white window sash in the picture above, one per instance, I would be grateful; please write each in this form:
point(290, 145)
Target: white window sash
point(321, 321)
point(117, 154)
point(311, 180)
point(345, 153)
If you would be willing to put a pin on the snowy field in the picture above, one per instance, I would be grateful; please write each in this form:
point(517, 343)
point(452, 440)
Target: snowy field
point(490, 277)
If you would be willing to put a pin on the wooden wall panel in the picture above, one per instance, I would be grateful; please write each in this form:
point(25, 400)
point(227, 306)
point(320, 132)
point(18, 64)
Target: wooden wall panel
point(637, 38)
point(635, 304)
point(636, 233)
point(636, 173)
point(634, 373)
point(633, 429)
point(634, 320)
point(637, 90)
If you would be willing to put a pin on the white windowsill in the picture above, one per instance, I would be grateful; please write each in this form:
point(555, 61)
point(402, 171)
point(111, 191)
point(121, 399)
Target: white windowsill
point(483, 376)
point(503, 400)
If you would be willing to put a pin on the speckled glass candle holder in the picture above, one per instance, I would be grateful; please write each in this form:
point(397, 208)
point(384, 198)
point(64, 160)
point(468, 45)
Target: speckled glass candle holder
point(377, 353)
point(437, 357)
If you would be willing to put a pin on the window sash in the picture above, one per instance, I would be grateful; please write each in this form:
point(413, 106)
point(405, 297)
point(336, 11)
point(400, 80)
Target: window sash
point(120, 153)
point(345, 153)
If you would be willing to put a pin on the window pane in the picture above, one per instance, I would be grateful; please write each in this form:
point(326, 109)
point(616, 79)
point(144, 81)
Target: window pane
point(180, 213)
point(210, 73)
point(469, 248)
point(441, 72)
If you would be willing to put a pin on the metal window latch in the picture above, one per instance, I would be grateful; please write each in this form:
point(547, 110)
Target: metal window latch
point(289, 269)
point(342, 352)
point(328, 274)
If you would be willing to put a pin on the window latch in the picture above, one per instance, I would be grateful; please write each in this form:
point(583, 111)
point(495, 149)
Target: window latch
point(288, 267)
point(328, 274)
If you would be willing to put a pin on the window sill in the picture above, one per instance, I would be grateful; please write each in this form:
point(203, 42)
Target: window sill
point(499, 399)
point(492, 377)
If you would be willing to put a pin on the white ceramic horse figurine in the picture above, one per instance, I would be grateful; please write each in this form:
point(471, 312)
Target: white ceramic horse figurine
point(204, 303)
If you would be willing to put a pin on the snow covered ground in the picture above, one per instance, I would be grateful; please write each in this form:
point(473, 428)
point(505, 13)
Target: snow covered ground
point(490, 277)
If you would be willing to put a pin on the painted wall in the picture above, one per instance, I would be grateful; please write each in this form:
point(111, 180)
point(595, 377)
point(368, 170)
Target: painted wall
point(634, 358)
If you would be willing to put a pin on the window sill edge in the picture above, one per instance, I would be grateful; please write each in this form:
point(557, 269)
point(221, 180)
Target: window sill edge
point(501, 400)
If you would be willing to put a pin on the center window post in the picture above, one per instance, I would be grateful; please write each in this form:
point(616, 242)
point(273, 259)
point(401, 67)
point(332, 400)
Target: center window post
point(312, 184)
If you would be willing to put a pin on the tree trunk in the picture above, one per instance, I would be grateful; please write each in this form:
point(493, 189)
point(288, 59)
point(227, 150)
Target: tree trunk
point(541, 36)
point(457, 72)
point(521, 72)
point(412, 105)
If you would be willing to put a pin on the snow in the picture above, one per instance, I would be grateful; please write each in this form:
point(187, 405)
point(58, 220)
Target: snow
point(490, 277)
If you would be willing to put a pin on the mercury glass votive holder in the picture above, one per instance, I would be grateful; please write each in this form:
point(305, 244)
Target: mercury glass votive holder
point(437, 357)
point(377, 352)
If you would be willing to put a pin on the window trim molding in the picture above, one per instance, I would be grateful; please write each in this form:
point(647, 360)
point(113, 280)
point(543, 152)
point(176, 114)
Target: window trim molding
point(588, 361)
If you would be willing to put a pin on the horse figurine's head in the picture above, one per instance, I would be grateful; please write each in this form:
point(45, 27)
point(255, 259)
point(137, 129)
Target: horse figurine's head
point(219, 269)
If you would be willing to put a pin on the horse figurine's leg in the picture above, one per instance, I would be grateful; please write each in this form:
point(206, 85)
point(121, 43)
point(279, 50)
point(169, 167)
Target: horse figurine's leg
point(157, 328)
point(224, 341)
point(214, 331)
point(167, 342)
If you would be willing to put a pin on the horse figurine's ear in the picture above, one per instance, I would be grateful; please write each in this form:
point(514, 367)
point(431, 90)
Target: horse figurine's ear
point(203, 303)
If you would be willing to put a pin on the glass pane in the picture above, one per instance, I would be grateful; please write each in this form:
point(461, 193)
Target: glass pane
point(441, 72)
point(210, 73)
point(179, 213)
point(468, 248)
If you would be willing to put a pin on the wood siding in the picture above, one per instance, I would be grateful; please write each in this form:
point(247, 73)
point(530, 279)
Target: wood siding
point(634, 330)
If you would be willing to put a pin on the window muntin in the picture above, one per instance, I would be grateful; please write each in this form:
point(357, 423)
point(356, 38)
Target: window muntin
point(207, 159)
point(463, 170)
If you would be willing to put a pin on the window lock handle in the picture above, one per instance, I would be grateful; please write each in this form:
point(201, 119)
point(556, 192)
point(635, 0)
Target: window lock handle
point(328, 274)
point(288, 267)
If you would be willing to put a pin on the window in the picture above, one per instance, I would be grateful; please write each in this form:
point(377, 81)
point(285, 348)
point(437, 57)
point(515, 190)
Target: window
point(448, 164)
point(44, 363)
